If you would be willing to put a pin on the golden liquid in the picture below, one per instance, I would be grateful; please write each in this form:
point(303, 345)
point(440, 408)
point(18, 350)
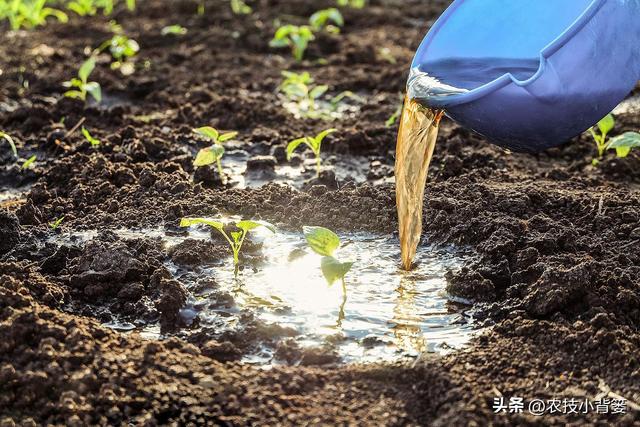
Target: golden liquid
point(416, 141)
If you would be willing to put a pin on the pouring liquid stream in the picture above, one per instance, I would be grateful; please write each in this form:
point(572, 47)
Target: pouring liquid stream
point(417, 136)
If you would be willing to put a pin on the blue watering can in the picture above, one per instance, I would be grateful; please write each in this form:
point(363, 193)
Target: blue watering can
point(529, 74)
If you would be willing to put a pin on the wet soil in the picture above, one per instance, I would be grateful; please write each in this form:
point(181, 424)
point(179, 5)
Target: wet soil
point(556, 240)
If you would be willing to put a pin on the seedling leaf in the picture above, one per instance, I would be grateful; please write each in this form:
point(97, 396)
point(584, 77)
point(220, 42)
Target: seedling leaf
point(87, 67)
point(227, 136)
point(248, 225)
point(322, 240)
point(187, 222)
point(624, 143)
point(607, 124)
point(93, 141)
point(333, 270)
point(293, 145)
point(208, 132)
point(208, 155)
point(12, 144)
point(29, 162)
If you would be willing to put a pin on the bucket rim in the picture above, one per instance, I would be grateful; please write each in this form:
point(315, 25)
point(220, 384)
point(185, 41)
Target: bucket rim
point(507, 78)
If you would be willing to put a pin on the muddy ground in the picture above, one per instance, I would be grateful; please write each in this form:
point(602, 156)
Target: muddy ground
point(557, 240)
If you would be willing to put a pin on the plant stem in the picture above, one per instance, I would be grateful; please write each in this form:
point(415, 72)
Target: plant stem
point(318, 165)
point(220, 171)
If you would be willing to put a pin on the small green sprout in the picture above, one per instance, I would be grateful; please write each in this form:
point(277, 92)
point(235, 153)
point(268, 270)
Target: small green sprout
point(394, 117)
point(604, 126)
point(295, 37)
point(11, 143)
point(213, 154)
point(29, 162)
point(56, 223)
point(325, 242)
point(234, 238)
point(322, 18)
point(29, 13)
point(624, 143)
point(302, 95)
point(83, 7)
point(313, 142)
point(356, 4)
point(121, 48)
point(93, 141)
point(175, 30)
point(385, 54)
point(239, 7)
point(81, 85)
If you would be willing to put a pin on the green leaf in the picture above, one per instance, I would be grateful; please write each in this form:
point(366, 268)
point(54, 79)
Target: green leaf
point(227, 136)
point(284, 42)
point(322, 240)
point(27, 164)
point(318, 91)
point(208, 155)
point(248, 225)
point(55, 224)
point(320, 137)
point(87, 68)
point(293, 145)
point(187, 222)
point(93, 141)
point(178, 30)
point(208, 132)
point(73, 94)
point(236, 235)
point(624, 143)
point(94, 90)
point(333, 270)
point(606, 124)
point(12, 144)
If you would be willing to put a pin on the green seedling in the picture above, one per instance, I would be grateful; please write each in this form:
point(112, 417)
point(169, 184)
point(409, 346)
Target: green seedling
point(56, 223)
point(93, 141)
point(394, 117)
point(121, 48)
point(302, 95)
point(356, 4)
point(29, 162)
point(624, 143)
point(239, 7)
point(175, 30)
point(29, 13)
point(325, 242)
point(325, 19)
point(313, 142)
point(295, 37)
point(385, 54)
point(81, 84)
point(213, 154)
point(234, 238)
point(11, 142)
point(600, 132)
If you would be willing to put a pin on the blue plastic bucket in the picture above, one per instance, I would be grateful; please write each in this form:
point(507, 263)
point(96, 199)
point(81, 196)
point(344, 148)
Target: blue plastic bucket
point(535, 72)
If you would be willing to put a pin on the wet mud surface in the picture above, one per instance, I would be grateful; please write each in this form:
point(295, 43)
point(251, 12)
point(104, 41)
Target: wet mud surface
point(555, 242)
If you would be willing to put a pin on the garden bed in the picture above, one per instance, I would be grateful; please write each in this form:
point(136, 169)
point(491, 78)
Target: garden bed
point(118, 315)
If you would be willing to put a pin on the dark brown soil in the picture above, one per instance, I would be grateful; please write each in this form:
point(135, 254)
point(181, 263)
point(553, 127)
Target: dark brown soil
point(557, 271)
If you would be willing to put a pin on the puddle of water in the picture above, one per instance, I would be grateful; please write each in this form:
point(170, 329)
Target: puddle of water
point(345, 168)
point(387, 315)
point(8, 195)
